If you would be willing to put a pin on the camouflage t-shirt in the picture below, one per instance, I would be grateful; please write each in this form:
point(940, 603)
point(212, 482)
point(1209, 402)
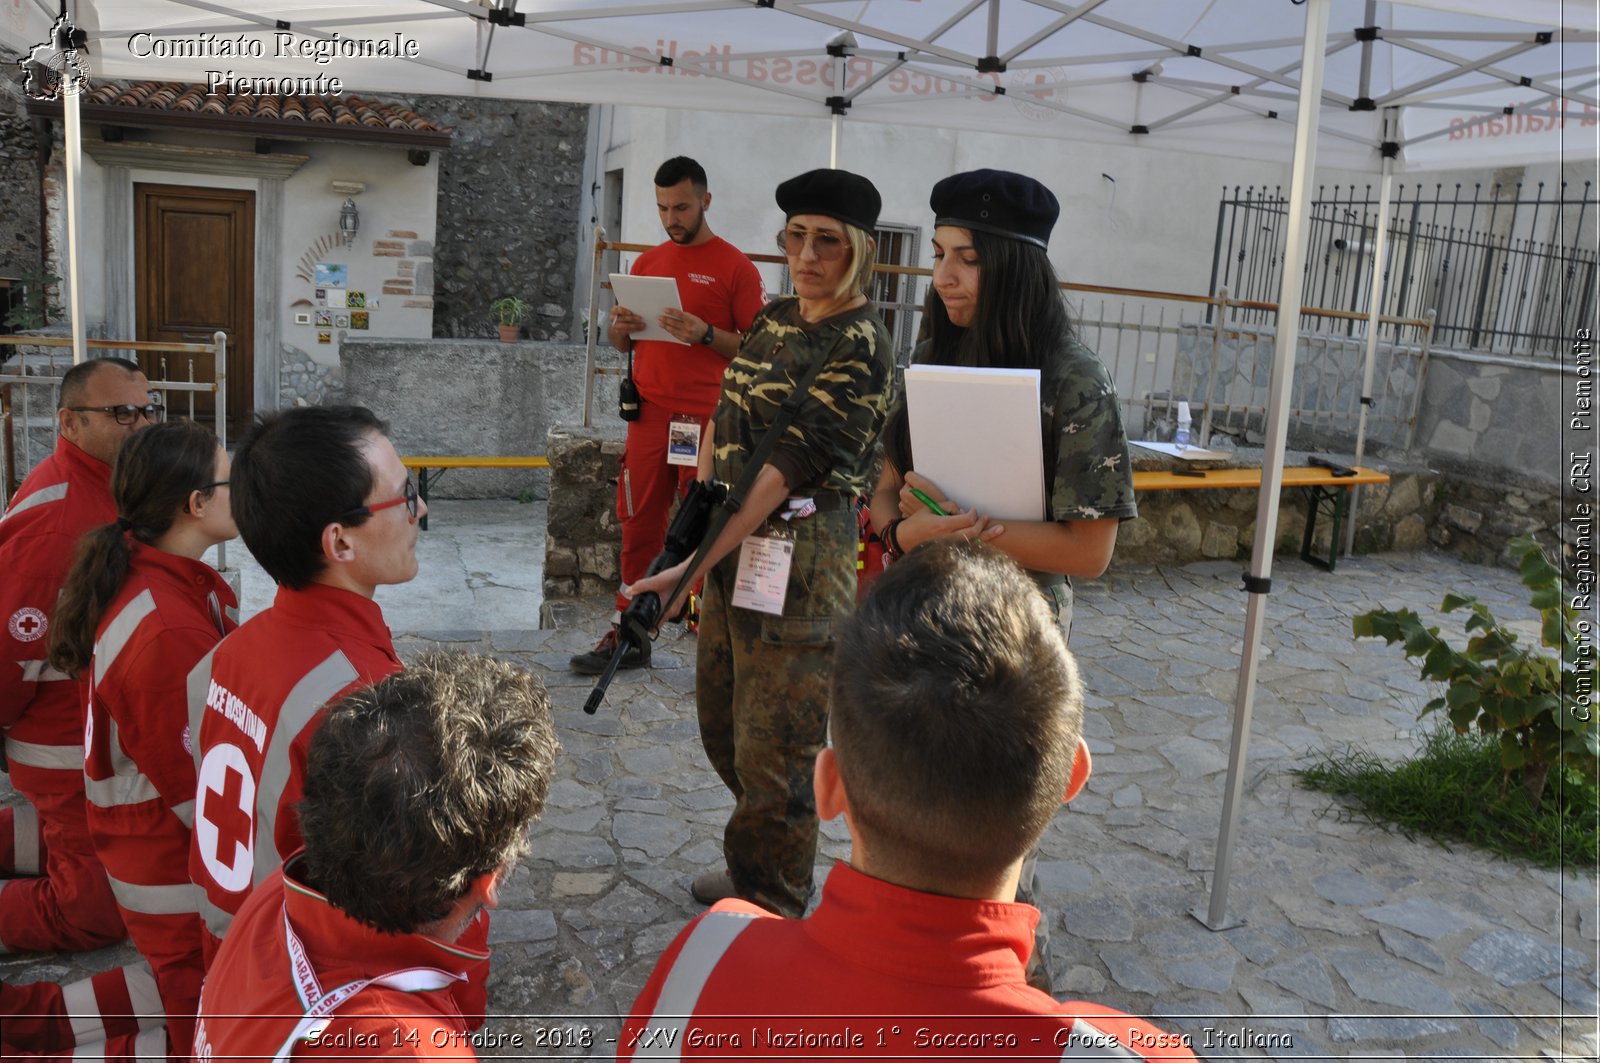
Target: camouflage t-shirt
point(1087, 471)
point(828, 446)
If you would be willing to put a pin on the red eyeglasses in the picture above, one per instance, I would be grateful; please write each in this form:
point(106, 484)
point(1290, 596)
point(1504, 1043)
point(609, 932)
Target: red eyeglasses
point(408, 497)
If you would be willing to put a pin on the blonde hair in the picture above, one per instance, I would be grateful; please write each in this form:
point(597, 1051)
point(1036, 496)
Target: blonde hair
point(863, 250)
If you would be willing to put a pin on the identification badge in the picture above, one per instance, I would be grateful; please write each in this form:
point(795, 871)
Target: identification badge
point(763, 577)
point(683, 440)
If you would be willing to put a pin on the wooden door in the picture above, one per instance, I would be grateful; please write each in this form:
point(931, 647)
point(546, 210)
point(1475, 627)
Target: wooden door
point(194, 255)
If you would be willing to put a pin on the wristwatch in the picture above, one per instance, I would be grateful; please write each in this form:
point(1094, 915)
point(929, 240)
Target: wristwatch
point(711, 334)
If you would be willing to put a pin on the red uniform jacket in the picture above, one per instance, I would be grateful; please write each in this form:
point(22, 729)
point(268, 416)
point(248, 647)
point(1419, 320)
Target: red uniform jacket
point(877, 970)
point(386, 994)
point(138, 769)
point(139, 755)
point(41, 710)
point(253, 705)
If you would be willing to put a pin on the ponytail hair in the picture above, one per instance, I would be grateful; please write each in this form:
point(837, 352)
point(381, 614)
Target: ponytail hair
point(155, 472)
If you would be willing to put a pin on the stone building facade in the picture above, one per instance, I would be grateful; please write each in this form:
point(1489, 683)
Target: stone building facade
point(19, 176)
point(510, 193)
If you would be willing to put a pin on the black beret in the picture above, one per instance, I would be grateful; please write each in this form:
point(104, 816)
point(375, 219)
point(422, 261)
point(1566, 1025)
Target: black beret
point(999, 202)
point(840, 194)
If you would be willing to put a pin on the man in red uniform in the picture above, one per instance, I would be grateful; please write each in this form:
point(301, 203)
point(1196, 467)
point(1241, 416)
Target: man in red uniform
point(679, 383)
point(324, 504)
point(956, 714)
point(418, 795)
point(54, 893)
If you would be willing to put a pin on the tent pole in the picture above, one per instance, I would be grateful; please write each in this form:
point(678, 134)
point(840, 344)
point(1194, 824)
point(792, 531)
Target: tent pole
point(72, 157)
point(1258, 580)
point(590, 339)
point(1374, 310)
point(833, 142)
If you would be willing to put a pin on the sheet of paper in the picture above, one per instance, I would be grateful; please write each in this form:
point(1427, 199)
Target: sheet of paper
point(762, 581)
point(1171, 450)
point(975, 433)
point(649, 297)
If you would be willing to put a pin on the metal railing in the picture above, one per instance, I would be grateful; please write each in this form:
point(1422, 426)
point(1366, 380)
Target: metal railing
point(1164, 346)
point(1507, 273)
point(26, 414)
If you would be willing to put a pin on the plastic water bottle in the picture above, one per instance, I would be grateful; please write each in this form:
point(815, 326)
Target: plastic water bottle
point(1180, 438)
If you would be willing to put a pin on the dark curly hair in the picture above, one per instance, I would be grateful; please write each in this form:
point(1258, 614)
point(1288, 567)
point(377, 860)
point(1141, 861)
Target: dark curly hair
point(420, 784)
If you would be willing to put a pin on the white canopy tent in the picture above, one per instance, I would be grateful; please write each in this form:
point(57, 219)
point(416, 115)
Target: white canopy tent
point(1357, 84)
point(1220, 77)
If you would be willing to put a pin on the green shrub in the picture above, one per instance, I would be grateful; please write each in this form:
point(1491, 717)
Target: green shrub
point(1539, 705)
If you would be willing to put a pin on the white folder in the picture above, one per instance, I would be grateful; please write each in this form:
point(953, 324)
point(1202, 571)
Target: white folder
point(975, 433)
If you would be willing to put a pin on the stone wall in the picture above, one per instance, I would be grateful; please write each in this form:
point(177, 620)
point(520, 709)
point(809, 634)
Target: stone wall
point(19, 176)
point(1488, 428)
point(1494, 420)
point(583, 539)
point(1235, 370)
point(304, 381)
point(510, 191)
point(475, 397)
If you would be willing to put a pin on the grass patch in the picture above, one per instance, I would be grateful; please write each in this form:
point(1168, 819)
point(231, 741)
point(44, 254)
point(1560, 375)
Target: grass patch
point(1452, 792)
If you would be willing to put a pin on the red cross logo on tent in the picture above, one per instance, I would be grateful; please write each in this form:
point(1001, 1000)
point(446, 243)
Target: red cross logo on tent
point(224, 821)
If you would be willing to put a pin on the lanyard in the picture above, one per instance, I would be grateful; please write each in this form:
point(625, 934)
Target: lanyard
point(318, 1007)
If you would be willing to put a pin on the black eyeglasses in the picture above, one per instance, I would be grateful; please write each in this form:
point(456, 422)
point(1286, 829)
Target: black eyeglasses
point(408, 496)
point(127, 413)
point(213, 485)
point(825, 245)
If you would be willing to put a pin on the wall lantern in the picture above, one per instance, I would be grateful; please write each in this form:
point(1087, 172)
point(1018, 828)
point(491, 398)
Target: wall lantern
point(349, 217)
point(349, 221)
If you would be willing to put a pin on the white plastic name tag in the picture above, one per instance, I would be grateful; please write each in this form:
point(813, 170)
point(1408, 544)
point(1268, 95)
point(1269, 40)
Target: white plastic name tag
point(763, 576)
point(683, 441)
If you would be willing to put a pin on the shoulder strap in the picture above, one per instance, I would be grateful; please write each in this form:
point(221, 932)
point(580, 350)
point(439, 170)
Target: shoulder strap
point(758, 457)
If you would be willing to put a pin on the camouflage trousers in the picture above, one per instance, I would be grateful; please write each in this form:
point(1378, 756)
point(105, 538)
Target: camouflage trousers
point(761, 688)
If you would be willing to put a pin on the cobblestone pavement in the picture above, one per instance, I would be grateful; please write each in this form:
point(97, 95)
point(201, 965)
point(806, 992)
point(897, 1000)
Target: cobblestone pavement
point(1355, 943)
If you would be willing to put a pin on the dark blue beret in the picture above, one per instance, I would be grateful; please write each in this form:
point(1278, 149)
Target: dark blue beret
point(999, 202)
point(840, 194)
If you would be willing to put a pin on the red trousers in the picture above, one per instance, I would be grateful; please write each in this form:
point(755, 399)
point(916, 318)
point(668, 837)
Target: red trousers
point(69, 906)
point(115, 1013)
point(170, 944)
point(646, 489)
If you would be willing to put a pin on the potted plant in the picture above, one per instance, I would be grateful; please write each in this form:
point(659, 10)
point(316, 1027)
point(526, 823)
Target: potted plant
point(510, 312)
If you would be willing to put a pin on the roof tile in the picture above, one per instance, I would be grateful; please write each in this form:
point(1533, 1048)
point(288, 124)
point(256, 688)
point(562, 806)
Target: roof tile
point(176, 97)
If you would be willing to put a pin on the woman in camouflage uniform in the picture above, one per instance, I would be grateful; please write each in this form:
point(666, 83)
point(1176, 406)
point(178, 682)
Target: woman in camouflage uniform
point(995, 302)
point(762, 677)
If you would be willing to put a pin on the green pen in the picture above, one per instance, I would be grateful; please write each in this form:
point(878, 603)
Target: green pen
point(930, 503)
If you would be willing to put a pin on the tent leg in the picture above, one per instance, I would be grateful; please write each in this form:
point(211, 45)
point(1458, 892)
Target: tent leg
point(72, 135)
point(1374, 311)
point(1259, 580)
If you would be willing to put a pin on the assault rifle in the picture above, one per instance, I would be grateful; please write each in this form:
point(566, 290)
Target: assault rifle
point(684, 535)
